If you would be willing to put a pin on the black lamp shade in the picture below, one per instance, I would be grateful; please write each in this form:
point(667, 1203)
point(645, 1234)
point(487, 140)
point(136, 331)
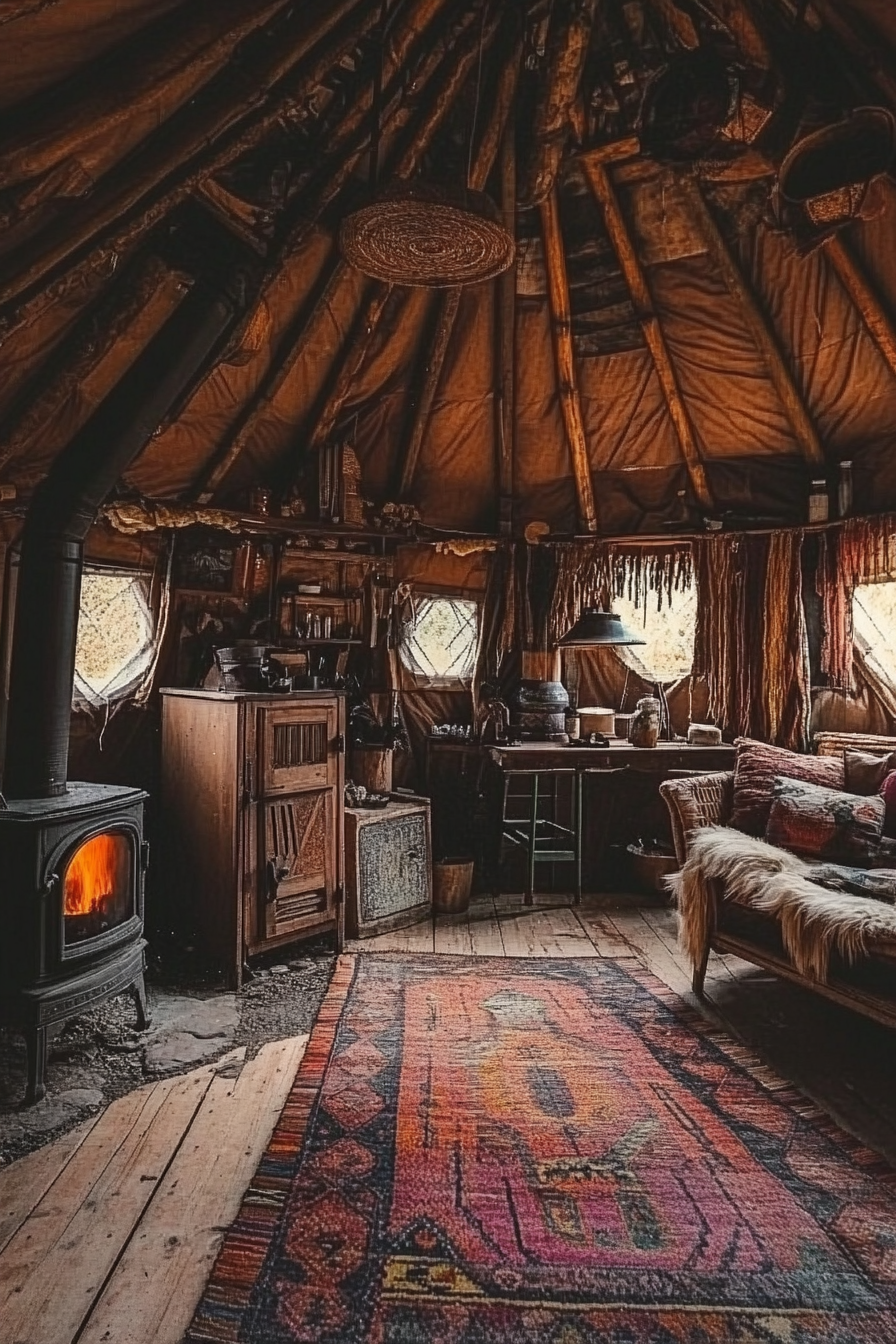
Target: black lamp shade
point(595, 627)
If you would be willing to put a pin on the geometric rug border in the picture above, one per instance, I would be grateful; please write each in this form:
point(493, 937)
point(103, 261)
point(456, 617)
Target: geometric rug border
point(221, 1310)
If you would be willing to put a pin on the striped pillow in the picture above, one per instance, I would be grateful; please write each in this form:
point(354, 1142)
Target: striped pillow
point(757, 765)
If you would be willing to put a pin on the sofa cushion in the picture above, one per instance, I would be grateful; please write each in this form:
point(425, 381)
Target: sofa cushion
point(821, 823)
point(756, 766)
point(888, 793)
point(864, 771)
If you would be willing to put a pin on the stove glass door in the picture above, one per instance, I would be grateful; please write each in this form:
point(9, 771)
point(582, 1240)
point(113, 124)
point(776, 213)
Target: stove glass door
point(97, 886)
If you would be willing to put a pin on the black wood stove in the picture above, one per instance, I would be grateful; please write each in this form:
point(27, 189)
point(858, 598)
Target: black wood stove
point(73, 873)
point(73, 856)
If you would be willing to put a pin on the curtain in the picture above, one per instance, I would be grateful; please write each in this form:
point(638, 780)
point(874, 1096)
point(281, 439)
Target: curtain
point(860, 550)
point(750, 644)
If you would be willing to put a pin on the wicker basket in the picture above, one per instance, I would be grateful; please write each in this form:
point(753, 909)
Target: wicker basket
point(651, 867)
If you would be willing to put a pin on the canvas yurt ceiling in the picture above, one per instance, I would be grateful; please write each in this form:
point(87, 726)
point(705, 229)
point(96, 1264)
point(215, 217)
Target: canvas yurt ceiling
point(681, 337)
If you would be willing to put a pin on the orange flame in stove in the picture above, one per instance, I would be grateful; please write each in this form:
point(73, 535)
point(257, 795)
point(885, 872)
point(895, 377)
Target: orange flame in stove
point(91, 878)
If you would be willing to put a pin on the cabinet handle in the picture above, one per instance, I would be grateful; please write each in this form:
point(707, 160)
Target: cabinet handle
point(249, 782)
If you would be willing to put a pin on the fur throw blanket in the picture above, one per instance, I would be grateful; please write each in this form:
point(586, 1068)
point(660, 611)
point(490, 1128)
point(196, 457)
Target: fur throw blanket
point(818, 906)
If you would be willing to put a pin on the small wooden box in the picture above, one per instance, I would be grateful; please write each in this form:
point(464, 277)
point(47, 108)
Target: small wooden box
point(388, 866)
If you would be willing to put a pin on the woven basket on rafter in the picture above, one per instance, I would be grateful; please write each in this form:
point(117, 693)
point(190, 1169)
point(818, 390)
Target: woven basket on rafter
point(426, 236)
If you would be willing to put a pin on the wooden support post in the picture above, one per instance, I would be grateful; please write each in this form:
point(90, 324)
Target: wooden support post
point(506, 349)
point(860, 290)
point(564, 357)
point(804, 430)
point(604, 192)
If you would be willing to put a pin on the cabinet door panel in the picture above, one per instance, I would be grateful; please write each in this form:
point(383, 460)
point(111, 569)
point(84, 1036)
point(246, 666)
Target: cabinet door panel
point(297, 747)
point(297, 860)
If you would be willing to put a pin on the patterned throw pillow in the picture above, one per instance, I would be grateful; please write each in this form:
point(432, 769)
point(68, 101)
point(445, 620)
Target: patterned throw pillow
point(757, 765)
point(824, 823)
point(888, 793)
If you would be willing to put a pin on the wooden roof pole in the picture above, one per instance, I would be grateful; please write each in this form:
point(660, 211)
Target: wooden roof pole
point(129, 83)
point(298, 341)
point(869, 54)
point(568, 38)
point(186, 146)
point(20, 9)
point(804, 430)
point(599, 181)
point(506, 349)
point(350, 360)
point(463, 57)
point(564, 358)
point(79, 353)
point(860, 291)
point(298, 337)
point(448, 302)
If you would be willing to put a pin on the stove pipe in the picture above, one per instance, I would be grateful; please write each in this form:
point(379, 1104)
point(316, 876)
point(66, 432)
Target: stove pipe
point(62, 511)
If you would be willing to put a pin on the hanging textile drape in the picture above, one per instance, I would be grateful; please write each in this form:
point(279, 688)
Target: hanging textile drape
point(750, 643)
point(591, 574)
point(860, 550)
point(497, 620)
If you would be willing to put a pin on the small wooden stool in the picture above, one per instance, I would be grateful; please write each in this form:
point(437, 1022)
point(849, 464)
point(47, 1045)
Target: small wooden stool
point(546, 826)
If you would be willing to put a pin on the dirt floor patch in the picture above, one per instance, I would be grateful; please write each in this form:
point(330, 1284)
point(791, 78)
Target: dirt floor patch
point(100, 1055)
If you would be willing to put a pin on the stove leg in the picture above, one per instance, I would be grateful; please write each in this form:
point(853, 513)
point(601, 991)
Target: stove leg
point(36, 1048)
point(138, 989)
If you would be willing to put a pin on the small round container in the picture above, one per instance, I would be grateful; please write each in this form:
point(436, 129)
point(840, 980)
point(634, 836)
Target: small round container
point(452, 882)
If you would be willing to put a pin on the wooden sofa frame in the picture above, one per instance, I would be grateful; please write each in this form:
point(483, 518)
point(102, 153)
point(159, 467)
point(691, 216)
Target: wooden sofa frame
point(707, 800)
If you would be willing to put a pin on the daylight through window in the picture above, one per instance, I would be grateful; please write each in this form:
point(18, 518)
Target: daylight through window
point(668, 649)
point(441, 644)
point(874, 621)
point(115, 634)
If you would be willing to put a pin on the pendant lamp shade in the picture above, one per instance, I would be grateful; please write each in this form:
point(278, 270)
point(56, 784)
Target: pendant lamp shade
point(421, 235)
point(595, 627)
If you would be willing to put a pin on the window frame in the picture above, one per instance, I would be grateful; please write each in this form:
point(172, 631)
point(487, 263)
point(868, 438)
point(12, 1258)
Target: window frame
point(84, 697)
point(433, 593)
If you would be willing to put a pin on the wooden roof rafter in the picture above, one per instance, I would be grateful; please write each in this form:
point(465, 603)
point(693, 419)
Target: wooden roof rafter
point(864, 297)
point(564, 359)
point(594, 164)
point(193, 142)
point(447, 303)
point(763, 336)
point(91, 338)
point(421, 133)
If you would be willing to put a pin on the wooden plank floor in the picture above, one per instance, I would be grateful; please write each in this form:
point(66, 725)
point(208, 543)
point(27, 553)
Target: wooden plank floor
point(107, 1235)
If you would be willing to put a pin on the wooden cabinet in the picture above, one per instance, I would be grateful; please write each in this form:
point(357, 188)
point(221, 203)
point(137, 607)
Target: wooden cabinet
point(388, 866)
point(252, 818)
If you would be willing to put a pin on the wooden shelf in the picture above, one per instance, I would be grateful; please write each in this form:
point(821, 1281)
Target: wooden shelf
point(297, 644)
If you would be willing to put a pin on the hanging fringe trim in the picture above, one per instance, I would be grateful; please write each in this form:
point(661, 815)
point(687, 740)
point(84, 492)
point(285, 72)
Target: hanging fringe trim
point(593, 574)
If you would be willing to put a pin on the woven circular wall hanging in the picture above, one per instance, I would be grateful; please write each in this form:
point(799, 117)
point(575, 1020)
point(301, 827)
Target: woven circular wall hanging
point(428, 237)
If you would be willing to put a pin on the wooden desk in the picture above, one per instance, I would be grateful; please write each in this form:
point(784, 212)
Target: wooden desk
point(659, 760)
point(464, 781)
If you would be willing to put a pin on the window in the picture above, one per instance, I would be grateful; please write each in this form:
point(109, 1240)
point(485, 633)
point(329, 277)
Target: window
point(668, 651)
point(441, 643)
point(874, 622)
point(116, 642)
